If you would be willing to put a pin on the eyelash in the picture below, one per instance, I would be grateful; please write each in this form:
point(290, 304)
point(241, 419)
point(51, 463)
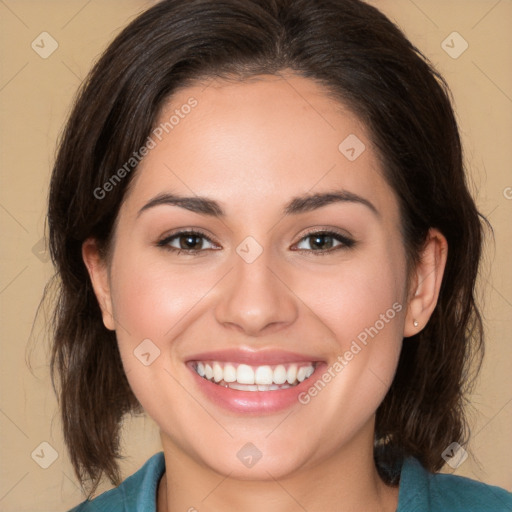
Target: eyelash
point(164, 243)
point(345, 242)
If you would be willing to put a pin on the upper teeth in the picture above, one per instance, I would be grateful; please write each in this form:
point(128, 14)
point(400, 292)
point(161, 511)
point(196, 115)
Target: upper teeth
point(262, 375)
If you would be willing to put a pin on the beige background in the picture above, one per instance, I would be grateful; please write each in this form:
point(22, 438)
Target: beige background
point(35, 97)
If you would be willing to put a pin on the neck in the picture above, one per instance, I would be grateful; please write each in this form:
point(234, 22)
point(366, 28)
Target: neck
point(346, 481)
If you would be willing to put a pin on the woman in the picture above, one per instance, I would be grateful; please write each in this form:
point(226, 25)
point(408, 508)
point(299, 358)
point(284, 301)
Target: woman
point(259, 217)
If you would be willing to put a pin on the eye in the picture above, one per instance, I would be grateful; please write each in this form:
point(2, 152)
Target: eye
point(186, 241)
point(324, 242)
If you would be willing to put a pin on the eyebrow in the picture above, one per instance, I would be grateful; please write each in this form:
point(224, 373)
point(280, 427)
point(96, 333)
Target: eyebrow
point(300, 204)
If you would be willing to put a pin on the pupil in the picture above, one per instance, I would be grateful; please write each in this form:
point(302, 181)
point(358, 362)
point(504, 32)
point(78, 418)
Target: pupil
point(191, 241)
point(319, 241)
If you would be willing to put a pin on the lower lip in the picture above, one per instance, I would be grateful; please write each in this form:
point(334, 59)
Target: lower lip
point(253, 402)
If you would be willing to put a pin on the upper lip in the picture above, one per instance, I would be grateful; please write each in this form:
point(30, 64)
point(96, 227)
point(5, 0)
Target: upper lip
point(253, 357)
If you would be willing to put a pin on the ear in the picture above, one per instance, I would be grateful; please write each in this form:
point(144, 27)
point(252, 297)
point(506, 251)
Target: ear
point(426, 282)
point(98, 272)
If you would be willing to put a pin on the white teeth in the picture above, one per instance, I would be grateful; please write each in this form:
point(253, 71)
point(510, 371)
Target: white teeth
point(229, 373)
point(279, 376)
point(301, 374)
point(255, 387)
point(242, 387)
point(218, 373)
point(244, 374)
point(258, 378)
point(264, 375)
point(291, 374)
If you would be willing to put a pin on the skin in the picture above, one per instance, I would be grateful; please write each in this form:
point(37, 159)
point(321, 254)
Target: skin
point(253, 146)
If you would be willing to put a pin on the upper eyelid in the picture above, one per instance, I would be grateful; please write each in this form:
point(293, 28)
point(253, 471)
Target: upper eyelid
point(166, 238)
point(345, 237)
point(187, 231)
point(346, 240)
point(331, 231)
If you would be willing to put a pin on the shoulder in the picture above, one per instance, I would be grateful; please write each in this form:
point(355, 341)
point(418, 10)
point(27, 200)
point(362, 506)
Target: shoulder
point(137, 492)
point(436, 492)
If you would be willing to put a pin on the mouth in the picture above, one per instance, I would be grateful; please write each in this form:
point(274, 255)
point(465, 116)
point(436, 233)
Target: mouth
point(243, 381)
point(244, 377)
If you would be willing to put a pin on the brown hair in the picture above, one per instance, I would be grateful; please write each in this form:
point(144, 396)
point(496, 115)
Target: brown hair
point(366, 62)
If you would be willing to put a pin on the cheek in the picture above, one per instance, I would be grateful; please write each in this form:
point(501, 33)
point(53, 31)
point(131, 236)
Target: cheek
point(362, 306)
point(364, 294)
point(153, 303)
point(152, 298)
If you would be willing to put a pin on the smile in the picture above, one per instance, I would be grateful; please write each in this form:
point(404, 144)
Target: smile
point(244, 377)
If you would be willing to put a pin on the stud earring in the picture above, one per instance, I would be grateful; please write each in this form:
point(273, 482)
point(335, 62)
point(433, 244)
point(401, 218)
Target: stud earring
point(416, 323)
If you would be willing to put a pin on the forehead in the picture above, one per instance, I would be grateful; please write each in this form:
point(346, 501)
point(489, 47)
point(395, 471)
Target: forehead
point(246, 142)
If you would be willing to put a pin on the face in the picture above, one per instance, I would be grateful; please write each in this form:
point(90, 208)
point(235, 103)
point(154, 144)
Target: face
point(269, 307)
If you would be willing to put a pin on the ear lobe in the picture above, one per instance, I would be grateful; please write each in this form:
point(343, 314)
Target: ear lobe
point(98, 274)
point(426, 282)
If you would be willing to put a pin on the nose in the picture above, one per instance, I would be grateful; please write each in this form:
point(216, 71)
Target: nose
point(255, 299)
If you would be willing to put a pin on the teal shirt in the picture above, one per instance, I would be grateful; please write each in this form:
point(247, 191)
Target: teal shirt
point(420, 491)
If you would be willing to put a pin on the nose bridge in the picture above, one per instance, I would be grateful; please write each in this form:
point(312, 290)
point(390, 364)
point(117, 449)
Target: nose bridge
point(254, 298)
